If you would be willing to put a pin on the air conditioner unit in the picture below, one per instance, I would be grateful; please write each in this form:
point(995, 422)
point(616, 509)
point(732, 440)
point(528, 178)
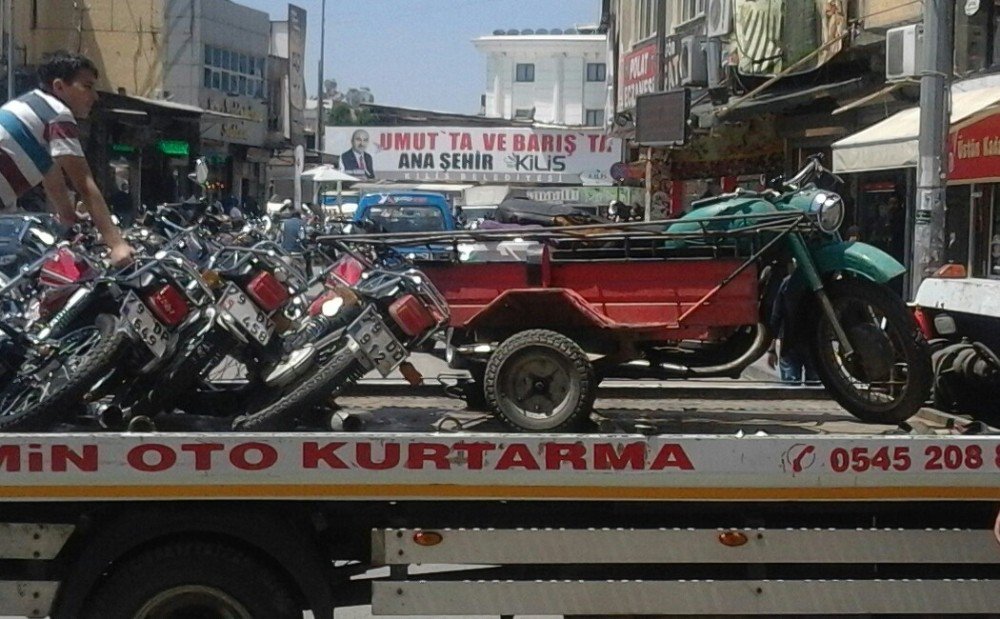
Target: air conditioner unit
point(719, 17)
point(903, 56)
point(694, 66)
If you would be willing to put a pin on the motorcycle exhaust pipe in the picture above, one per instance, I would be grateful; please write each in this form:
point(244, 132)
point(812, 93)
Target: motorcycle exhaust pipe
point(730, 369)
point(350, 422)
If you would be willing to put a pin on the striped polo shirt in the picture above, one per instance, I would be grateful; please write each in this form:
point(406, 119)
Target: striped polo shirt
point(34, 128)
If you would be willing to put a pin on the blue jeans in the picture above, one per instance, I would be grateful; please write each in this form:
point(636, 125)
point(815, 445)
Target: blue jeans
point(793, 368)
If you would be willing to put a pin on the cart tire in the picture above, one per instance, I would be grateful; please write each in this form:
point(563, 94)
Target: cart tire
point(540, 381)
point(192, 579)
point(872, 387)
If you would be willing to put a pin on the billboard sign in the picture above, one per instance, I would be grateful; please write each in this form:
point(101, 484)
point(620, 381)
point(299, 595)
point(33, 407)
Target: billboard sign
point(296, 73)
point(475, 154)
point(637, 75)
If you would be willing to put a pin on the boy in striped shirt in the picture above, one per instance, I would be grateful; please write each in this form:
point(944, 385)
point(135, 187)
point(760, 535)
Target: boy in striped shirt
point(40, 143)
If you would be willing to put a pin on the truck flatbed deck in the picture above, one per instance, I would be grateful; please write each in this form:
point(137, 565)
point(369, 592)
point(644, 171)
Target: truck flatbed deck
point(689, 505)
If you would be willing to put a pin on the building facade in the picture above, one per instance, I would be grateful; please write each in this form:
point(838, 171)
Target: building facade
point(549, 76)
point(177, 62)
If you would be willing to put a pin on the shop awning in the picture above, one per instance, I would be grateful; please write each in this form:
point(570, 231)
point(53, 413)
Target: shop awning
point(892, 143)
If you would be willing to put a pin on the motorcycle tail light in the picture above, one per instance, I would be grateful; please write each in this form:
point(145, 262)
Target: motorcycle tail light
point(62, 269)
point(267, 291)
point(348, 270)
point(168, 304)
point(411, 315)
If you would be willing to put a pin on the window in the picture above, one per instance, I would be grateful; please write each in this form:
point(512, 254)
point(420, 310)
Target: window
point(597, 72)
point(525, 113)
point(233, 72)
point(594, 118)
point(691, 9)
point(644, 19)
point(524, 72)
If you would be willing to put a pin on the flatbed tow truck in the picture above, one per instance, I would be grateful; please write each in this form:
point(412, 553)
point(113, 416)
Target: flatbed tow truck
point(713, 504)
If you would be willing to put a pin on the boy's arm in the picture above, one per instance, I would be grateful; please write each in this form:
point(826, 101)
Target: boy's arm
point(78, 171)
point(57, 193)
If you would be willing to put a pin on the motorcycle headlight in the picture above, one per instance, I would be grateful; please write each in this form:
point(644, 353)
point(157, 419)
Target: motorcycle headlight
point(829, 211)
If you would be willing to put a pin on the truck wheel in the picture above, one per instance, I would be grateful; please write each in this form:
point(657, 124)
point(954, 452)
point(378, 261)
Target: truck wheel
point(539, 381)
point(192, 579)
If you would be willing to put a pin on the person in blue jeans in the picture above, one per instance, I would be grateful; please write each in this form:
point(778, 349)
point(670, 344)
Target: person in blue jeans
point(791, 359)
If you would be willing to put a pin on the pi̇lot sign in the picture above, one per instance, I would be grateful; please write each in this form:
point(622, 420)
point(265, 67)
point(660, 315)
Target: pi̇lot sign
point(637, 75)
point(482, 154)
point(974, 151)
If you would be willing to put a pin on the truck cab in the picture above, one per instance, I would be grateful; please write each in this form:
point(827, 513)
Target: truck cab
point(406, 211)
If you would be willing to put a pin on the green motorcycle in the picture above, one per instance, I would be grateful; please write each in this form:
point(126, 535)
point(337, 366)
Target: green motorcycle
point(828, 297)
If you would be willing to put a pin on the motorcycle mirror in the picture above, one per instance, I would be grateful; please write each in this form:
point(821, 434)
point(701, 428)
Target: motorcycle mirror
point(200, 171)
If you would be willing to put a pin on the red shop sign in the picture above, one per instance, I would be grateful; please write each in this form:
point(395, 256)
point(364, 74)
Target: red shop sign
point(974, 151)
point(637, 74)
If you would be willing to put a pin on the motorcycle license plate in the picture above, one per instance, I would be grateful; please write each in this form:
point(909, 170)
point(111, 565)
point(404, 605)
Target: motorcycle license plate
point(246, 313)
point(378, 345)
point(142, 322)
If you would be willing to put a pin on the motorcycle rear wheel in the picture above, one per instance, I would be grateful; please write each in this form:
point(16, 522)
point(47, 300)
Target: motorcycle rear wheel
point(889, 377)
point(289, 405)
point(45, 388)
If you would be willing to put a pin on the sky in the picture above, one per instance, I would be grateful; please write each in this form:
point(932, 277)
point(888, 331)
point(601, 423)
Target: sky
point(418, 53)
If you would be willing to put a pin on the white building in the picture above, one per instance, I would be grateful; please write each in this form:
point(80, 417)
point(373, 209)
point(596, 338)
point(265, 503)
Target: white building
point(550, 76)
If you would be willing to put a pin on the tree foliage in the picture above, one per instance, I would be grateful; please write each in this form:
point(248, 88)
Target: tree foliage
point(343, 115)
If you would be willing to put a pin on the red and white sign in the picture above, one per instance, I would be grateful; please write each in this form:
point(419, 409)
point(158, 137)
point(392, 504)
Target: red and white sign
point(481, 154)
point(637, 75)
point(974, 151)
point(496, 466)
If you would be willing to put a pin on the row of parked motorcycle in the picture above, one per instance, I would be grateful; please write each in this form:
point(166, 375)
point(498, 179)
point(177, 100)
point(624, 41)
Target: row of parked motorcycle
point(206, 329)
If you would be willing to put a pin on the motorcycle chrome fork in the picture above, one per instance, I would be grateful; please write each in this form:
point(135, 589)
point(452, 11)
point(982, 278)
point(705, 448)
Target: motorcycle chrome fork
point(805, 263)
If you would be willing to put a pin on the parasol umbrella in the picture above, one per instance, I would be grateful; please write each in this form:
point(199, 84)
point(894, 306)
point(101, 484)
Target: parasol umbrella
point(327, 173)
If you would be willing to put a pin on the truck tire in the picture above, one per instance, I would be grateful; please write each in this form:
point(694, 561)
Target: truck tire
point(192, 579)
point(540, 381)
point(297, 400)
point(84, 356)
point(890, 376)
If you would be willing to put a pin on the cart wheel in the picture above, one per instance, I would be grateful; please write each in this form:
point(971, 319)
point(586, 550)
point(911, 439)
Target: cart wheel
point(540, 380)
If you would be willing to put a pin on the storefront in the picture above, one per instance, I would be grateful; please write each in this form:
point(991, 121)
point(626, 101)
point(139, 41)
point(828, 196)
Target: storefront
point(880, 165)
point(974, 179)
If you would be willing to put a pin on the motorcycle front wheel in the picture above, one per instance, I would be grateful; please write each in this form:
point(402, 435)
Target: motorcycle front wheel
point(283, 409)
point(52, 381)
point(889, 376)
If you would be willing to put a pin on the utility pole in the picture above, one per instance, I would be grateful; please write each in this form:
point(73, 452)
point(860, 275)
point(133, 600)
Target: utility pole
point(9, 29)
point(935, 120)
point(320, 121)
